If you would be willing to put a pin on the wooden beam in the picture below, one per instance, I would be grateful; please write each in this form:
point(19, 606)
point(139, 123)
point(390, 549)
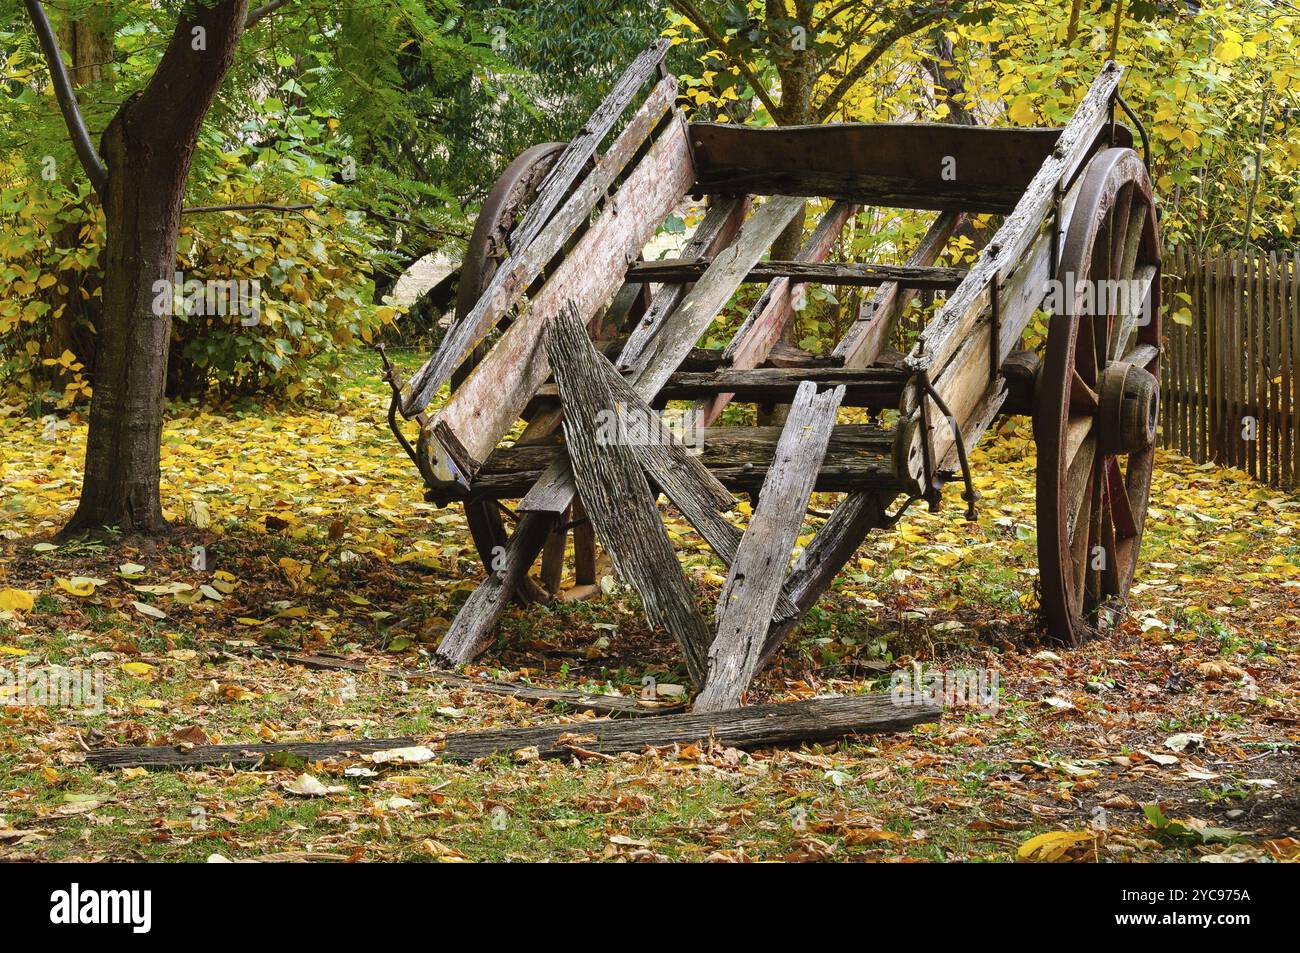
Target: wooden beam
point(763, 560)
point(616, 493)
point(486, 405)
point(1071, 150)
point(763, 325)
point(798, 272)
point(766, 321)
point(678, 334)
point(901, 165)
point(519, 271)
point(871, 387)
point(964, 382)
point(956, 347)
point(860, 456)
point(880, 310)
point(758, 726)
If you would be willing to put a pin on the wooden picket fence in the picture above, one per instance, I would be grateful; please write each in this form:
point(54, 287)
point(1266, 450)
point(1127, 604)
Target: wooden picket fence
point(1230, 389)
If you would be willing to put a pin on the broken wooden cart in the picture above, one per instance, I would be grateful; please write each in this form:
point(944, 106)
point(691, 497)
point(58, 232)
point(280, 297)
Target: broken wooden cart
point(556, 324)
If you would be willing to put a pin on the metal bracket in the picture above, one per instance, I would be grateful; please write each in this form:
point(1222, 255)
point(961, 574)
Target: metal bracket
point(933, 486)
point(1142, 130)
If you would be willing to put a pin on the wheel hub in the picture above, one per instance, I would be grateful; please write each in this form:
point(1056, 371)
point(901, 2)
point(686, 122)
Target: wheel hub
point(1129, 409)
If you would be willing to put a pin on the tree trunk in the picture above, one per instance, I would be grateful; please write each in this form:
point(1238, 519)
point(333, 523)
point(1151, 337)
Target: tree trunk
point(148, 147)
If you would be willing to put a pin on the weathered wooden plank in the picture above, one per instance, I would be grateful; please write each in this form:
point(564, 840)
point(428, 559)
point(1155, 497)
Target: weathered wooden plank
point(758, 726)
point(901, 165)
point(711, 293)
point(859, 456)
point(862, 343)
point(472, 630)
point(484, 408)
point(762, 328)
point(681, 475)
point(236, 756)
point(571, 163)
point(616, 494)
point(868, 387)
point(763, 560)
point(718, 229)
point(541, 237)
point(848, 274)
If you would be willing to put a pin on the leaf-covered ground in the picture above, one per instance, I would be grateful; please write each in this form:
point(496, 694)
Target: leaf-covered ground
point(1173, 739)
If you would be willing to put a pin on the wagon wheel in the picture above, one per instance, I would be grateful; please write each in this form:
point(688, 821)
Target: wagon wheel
point(1098, 402)
point(486, 249)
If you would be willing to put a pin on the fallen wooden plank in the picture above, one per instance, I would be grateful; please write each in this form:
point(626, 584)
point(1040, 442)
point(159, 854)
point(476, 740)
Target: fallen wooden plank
point(860, 456)
point(863, 342)
point(718, 229)
point(544, 231)
point(711, 293)
point(616, 494)
point(757, 726)
point(763, 560)
point(849, 274)
point(486, 406)
point(898, 165)
point(235, 756)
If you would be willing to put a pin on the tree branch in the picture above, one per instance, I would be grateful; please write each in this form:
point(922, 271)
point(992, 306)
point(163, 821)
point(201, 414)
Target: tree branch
point(264, 10)
point(250, 207)
point(911, 21)
point(689, 10)
point(67, 99)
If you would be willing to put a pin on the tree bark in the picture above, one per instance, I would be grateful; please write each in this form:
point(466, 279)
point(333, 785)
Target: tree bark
point(148, 147)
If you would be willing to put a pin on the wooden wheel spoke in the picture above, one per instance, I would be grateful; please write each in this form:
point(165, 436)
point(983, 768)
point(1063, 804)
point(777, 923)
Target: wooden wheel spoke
point(1083, 399)
point(1127, 327)
point(1079, 481)
point(1076, 435)
point(1119, 506)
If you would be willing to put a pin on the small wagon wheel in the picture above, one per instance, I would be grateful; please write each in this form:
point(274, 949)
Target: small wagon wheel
point(1098, 399)
point(486, 249)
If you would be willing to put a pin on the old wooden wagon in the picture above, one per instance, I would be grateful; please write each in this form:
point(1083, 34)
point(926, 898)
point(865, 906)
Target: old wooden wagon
point(556, 324)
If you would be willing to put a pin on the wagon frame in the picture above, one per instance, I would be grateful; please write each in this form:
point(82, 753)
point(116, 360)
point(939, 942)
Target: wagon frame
point(556, 323)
